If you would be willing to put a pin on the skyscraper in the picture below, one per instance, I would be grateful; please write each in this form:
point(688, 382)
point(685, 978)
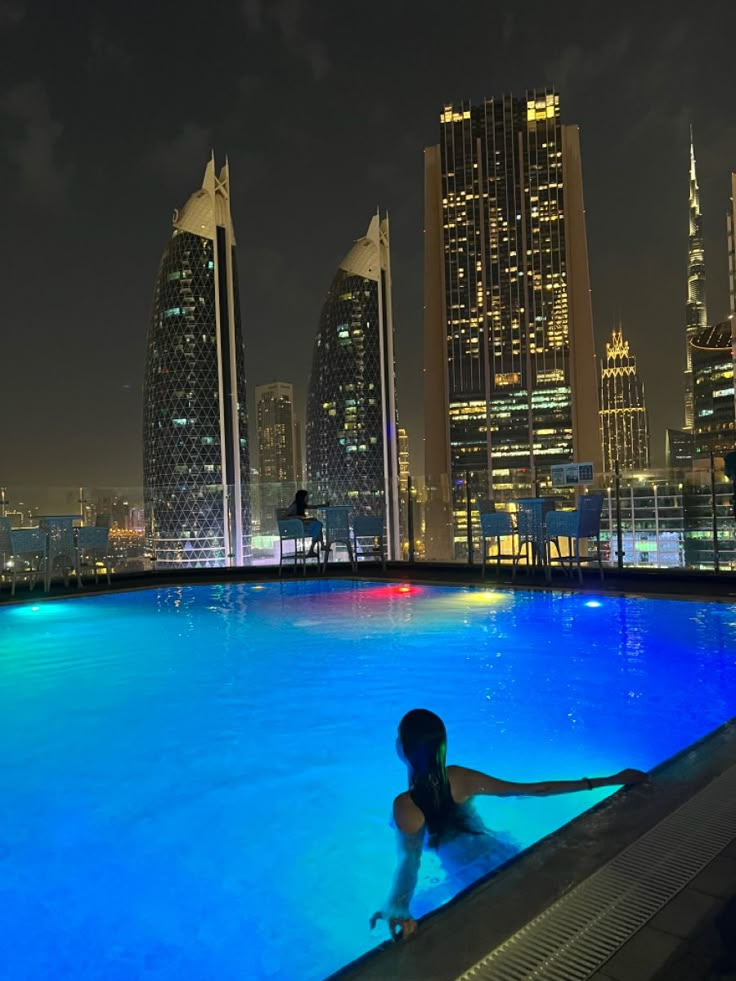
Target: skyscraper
point(624, 427)
point(276, 449)
point(731, 228)
point(714, 427)
point(510, 374)
point(403, 459)
point(697, 314)
point(195, 438)
point(351, 403)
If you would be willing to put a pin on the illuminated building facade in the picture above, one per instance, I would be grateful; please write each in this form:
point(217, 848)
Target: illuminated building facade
point(276, 449)
point(510, 379)
point(403, 440)
point(731, 227)
point(195, 439)
point(697, 313)
point(351, 403)
point(679, 448)
point(624, 427)
point(714, 427)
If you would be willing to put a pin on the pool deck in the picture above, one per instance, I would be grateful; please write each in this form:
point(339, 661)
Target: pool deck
point(692, 937)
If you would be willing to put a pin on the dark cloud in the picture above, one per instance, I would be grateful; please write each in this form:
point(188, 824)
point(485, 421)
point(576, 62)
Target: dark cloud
point(12, 13)
point(181, 157)
point(33, 144)
point(287, 20)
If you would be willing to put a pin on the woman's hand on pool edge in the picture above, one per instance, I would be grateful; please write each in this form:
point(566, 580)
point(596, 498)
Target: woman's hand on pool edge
point(629, 777)
point(400, 928)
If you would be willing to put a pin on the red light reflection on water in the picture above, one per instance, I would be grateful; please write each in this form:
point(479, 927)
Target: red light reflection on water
point(387, 591)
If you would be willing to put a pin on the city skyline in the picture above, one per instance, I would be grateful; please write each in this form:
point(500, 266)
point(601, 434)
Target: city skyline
point(105, 125)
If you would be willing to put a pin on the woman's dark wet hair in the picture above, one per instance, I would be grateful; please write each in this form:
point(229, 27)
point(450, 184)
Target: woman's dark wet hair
point(301, 496)
point(423, 739)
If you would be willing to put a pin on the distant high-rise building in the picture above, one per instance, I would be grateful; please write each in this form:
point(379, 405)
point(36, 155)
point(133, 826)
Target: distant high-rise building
point(403, 460)
point(679, 449)
point(298, 451)
point(714, 428)
point(195, 439)
point(624, 427)
point(351, 404)
point(697, 313)
point(510, 373)
point(731, 226)
point(275, 415)
point(276, 450)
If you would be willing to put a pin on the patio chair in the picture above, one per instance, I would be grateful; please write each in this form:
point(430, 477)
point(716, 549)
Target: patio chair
point(337, 532)
point(531, 529)
point(585, 522)
point(292, 530)
point(369, 537)
point(93, 546)
point(494, 525)
point(23, 553)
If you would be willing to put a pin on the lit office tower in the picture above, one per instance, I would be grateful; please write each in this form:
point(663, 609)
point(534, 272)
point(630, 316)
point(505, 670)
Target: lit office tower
point(731, 225)
point(714, 428)
point(403, 443)
point(276, 449)
point(697, 314)
point(624, 428)
point(195, 438)
point(510, 379)
point(351, 404)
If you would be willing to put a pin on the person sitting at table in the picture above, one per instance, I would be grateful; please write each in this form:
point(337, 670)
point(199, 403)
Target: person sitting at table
point(313, 527)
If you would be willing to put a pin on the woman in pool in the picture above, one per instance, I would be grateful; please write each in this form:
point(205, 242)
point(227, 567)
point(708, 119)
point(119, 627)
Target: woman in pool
point(438, 806)
point(313, 527)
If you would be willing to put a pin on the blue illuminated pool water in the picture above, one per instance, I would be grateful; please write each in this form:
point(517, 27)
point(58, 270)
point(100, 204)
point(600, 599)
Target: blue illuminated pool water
point(196, 782)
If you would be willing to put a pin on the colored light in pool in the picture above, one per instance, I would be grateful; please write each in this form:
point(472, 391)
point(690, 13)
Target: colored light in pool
point(593, 604)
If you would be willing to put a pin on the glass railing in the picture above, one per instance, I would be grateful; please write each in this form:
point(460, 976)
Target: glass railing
point(654, 519)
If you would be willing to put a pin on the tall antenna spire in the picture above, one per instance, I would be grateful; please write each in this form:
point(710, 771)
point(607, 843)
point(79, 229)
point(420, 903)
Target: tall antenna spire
point(697, 313)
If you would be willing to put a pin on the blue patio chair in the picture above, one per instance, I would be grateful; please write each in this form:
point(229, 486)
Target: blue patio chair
point(292, 530)
point(23, 554)
point(531, 529)
point(369, 537)
point(337, 532)
point(93, 546)
point(494, 525)
point(585, 522)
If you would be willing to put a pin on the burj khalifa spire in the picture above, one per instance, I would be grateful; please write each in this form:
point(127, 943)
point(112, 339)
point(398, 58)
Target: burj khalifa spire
point(697, 314)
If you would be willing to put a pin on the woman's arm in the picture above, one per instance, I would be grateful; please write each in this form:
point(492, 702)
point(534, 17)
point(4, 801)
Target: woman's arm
point(468, 783)
point(410, 842)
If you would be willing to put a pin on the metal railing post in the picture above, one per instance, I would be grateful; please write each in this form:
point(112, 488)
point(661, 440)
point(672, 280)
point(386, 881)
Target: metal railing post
point(714, 511)
point(619, 533)
point(410, 517)
point(469, 518)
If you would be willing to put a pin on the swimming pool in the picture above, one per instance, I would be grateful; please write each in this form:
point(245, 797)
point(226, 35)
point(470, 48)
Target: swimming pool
point(197, 781)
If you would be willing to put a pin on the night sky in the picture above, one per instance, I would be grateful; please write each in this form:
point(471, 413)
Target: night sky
point(108, 113)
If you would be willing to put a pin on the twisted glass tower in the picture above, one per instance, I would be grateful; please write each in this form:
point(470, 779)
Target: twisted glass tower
point(351, 404)
point(697, 313)
point(195, 429)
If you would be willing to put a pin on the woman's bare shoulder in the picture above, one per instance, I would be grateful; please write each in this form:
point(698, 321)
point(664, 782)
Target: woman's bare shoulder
point(407, 816)
point(458, 777)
